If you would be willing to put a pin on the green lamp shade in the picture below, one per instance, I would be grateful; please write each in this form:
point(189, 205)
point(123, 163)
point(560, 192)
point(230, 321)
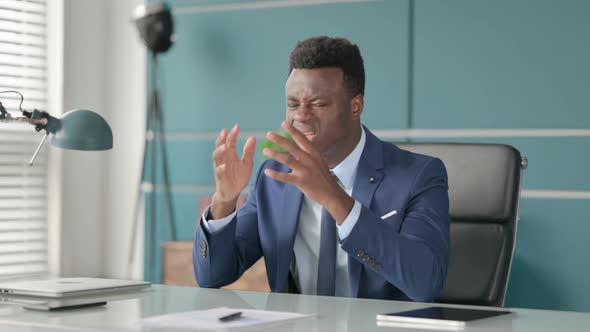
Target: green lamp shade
point(82, 130)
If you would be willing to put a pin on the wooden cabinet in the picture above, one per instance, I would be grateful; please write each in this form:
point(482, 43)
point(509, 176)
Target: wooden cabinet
point(178, 269)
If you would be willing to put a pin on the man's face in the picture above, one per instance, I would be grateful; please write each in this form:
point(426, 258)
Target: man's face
point(319, 105)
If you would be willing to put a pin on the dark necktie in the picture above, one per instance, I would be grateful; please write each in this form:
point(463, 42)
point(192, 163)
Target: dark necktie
point(327, 256)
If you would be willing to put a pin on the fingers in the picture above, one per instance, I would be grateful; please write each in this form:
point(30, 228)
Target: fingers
point(248, 151)
point(283, 158)
point(221, 137)
point(219, 170)
point(280, 176)
point(232, 137)
point(285, 143)
point(225, 144)
point(298, 137)
point(219, 154)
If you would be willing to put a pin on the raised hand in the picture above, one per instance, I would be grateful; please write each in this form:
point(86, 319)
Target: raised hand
point(231, 173)
point(309, 172)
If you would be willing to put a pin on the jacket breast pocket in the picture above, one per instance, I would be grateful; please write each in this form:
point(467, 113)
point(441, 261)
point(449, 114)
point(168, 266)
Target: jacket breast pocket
point(392, 217)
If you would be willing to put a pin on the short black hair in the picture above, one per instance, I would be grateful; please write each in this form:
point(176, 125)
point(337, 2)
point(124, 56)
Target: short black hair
point(323, 51)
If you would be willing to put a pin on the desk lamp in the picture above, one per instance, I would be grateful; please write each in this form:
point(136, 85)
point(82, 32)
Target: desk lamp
point(75, 130)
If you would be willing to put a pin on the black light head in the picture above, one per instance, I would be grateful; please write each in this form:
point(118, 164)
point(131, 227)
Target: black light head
point(155, 25)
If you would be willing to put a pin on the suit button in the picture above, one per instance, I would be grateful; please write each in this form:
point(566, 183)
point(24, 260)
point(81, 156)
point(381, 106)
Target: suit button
point(377, 267)
point(372, 262)
point(360, 253)
point(203, 244)
point(365, 257)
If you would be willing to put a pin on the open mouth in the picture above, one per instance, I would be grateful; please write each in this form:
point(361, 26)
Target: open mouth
point(309, 136)
point(307, 131)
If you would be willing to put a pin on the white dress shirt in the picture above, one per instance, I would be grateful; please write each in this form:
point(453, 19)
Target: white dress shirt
point(307, 238)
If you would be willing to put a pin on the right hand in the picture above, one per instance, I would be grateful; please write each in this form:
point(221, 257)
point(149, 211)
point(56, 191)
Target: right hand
point(231, 173)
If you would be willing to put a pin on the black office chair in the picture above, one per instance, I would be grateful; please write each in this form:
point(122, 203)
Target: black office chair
point(484, 192)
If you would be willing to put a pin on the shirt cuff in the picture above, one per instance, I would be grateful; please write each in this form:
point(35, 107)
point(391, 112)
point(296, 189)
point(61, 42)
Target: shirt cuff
point(215, 225)
point(347, 225)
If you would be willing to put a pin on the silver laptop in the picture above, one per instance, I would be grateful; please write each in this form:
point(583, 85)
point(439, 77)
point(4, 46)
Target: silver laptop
point(66, 287)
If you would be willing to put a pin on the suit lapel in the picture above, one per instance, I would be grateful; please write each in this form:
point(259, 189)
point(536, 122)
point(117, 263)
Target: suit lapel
point(368, 178)
point(287, 228)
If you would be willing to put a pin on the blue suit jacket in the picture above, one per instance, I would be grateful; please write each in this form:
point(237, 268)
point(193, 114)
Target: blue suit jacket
point(403, 257)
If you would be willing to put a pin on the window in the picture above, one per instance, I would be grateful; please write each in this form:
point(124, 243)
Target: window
point(23, 189)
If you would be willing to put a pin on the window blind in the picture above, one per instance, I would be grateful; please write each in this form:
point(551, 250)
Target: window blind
point(23, 189)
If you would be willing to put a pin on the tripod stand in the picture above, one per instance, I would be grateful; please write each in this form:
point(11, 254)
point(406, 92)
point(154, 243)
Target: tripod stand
point(154, 134)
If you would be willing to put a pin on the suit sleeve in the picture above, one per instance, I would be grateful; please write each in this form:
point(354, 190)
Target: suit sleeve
point(220, 258)
point(414, 257)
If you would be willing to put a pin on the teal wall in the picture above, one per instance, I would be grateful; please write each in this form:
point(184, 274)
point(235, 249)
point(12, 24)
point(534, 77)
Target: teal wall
point(455, 64)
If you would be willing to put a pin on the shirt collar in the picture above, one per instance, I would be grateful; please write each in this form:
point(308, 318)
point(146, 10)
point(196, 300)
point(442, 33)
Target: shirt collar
point(346, 170)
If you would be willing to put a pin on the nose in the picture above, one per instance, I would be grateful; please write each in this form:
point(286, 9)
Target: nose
point(302, 113)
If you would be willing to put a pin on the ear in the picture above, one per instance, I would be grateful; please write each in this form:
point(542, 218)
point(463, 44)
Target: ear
point(356, 104)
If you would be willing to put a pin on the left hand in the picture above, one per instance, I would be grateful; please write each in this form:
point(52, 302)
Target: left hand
point(309, 172)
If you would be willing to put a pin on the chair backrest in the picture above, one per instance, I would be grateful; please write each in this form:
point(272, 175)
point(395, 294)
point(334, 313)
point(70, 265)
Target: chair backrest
point(484, 192)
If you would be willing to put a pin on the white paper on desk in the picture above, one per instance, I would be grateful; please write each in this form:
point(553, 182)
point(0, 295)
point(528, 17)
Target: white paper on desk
point(209, 319)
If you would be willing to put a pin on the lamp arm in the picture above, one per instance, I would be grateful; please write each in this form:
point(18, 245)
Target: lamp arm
point(38, 149)
point(3, 113)
point(39, 122)
point(43, 121)
point(40, 119)
point(15, 119)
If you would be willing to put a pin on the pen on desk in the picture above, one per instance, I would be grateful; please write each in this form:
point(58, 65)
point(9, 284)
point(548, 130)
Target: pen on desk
point(230, 317)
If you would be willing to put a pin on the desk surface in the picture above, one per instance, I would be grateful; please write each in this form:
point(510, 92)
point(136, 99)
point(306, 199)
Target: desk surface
point(123, 312)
